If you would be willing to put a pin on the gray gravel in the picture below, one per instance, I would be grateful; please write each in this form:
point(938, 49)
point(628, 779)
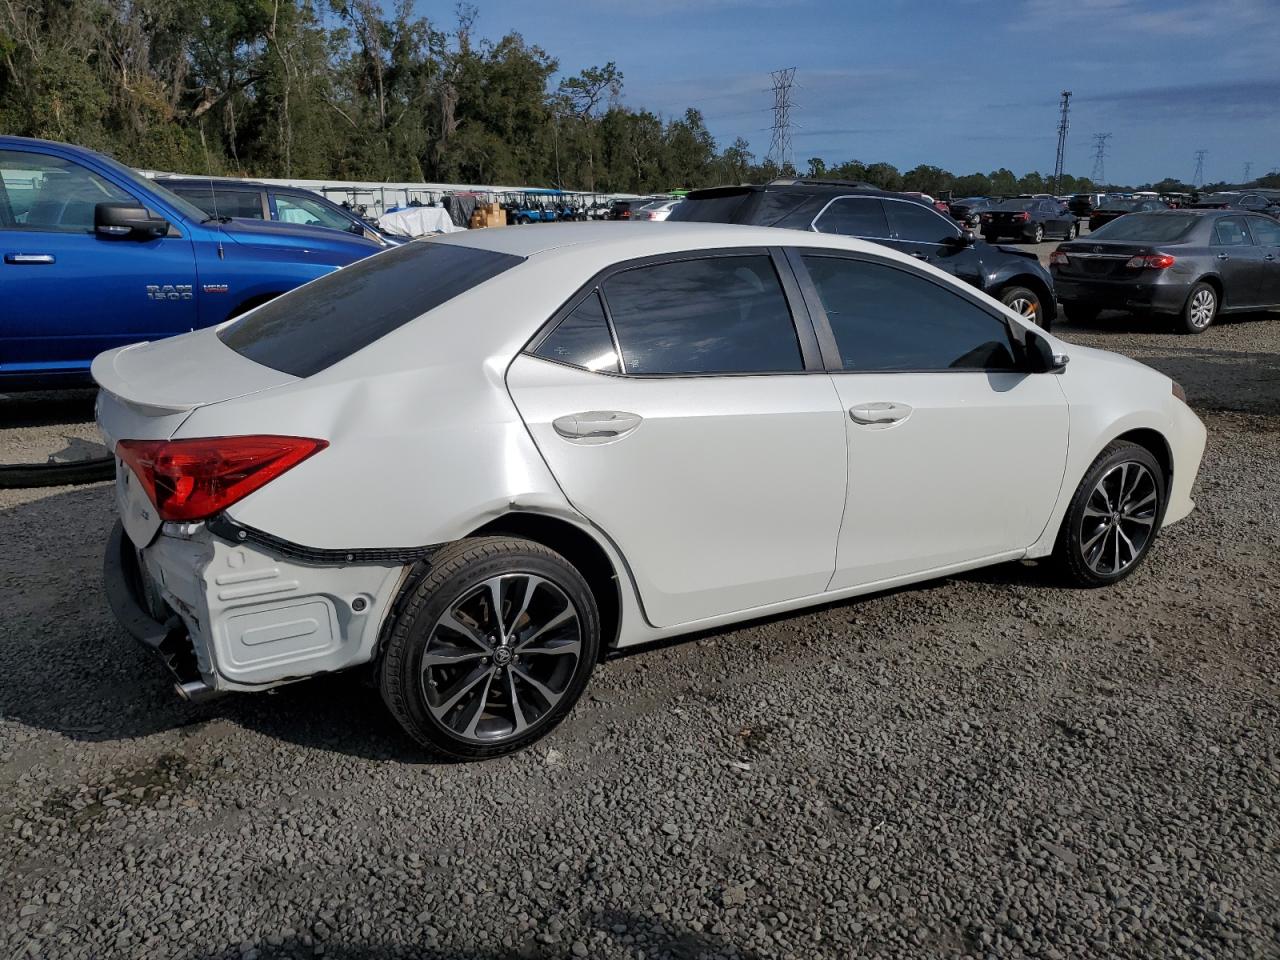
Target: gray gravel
point(990, 766)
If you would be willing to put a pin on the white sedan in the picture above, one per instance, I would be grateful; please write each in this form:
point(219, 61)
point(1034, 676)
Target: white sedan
point(479, 462)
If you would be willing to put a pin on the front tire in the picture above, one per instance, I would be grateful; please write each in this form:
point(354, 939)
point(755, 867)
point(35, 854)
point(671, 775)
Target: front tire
point(1113, 517)
point(492, 648)
point(1200, 310)
point(1024, 302)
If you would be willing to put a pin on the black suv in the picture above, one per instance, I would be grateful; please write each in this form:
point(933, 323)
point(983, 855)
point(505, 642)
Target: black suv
point(1014, 277)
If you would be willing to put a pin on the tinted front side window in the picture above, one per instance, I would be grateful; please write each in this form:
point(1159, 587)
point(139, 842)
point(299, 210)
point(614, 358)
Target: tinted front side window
point(1265, 232)
point(886, 319)
point(718, 315)
point(582, 339)
point(854, 217)
point(327, 320)
point(914, 222)
point(41, 192)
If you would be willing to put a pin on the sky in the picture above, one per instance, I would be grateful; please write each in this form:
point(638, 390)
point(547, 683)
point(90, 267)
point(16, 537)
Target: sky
point(967, 85)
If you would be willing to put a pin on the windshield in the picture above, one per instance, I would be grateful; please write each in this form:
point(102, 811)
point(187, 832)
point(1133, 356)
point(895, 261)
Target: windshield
point(1147, 228)
point(184, 207)
point(327, 320)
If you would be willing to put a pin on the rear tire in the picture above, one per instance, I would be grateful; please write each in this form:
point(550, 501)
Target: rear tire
point(1200, 310)
point(467, 684)
point(1113, 518)
point(1074, 231)
point(1037, 235)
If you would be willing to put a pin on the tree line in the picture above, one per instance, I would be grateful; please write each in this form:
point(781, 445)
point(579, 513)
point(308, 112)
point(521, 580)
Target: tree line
point(355, 90)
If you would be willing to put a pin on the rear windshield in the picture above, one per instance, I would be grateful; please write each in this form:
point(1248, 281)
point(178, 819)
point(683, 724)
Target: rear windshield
point(1147, 227)
point(1120, 205)
point(721, 209)
point(327, 320)
point(1009, 205)
point(761, 208)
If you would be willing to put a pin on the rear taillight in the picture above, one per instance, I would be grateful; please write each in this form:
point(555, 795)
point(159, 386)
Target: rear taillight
point(1023, 216)
point(1155, 261)
point(1058, 258)
point(191, 480)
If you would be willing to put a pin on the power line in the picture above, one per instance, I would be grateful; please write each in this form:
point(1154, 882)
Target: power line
point(1100, 158)
point(1198, 179)
point(780, 151)
point(1063, 124)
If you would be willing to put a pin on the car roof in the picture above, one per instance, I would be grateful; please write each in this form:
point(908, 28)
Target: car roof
point(219, 182)
point(625, 241)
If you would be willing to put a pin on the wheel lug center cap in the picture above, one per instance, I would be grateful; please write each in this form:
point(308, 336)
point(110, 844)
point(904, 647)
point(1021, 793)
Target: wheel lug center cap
point(502, 656)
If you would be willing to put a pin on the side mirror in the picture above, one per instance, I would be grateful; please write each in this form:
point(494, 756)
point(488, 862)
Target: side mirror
point(1040, 356)
point(127, 220)
point(966, 238)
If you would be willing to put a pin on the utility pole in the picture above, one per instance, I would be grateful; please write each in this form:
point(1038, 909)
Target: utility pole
point(1063, 125)
point(1198, 179)
point(1099, 177)
point(780, 145)
point(1248, 169)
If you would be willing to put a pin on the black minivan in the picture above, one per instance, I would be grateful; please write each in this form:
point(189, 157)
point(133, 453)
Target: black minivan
point(1014, 277)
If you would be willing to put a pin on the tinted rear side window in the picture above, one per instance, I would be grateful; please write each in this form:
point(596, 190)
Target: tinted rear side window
point(718, 315)
point(582, 339)
point(854, 217)
point(327, 320)
point(886, 319)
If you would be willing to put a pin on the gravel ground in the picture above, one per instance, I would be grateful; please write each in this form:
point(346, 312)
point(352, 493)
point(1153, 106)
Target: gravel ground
point(988, 766)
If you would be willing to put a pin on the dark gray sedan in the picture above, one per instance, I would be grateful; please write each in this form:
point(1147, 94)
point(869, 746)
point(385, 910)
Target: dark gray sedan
point(1188, 264)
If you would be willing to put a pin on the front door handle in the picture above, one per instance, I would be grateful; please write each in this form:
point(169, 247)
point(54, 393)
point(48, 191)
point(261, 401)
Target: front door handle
point(596, 426)
point(920, 256)
point(1223, 256)
point(24, 259)
point(1269, 256)
point(879, 413)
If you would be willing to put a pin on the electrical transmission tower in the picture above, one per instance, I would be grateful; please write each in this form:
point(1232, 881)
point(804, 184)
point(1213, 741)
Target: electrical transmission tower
point(1063, 124)
point(1248, 169)
point(780, 146)
point(1198, 179)
point(1100, 158)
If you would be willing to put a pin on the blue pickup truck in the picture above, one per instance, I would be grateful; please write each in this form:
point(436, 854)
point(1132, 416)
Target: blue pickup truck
point(95, 256)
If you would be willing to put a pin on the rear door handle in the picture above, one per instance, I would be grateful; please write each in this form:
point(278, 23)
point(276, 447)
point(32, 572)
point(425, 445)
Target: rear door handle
point(24, 259)
point(1223, 256)
point(920, 256)
point(1269, 256)
point(882, 412)
point(596, 426)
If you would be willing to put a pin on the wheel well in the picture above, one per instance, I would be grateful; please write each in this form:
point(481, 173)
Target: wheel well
point(249, 304)
point(1158, 447)
point(580, 549)
point(1214, 282)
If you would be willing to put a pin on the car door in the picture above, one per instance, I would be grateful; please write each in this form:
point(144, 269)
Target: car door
point(956, 455)
point(1240, 262)
point(1266, 233)
point(694, 425)
point(68, 293)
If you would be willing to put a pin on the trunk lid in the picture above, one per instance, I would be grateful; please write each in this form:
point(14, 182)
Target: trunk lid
point(1087, 260)
point(149, 389)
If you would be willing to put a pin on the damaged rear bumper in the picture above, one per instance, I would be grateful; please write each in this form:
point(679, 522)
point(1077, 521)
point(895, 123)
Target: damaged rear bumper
point(242, 615)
